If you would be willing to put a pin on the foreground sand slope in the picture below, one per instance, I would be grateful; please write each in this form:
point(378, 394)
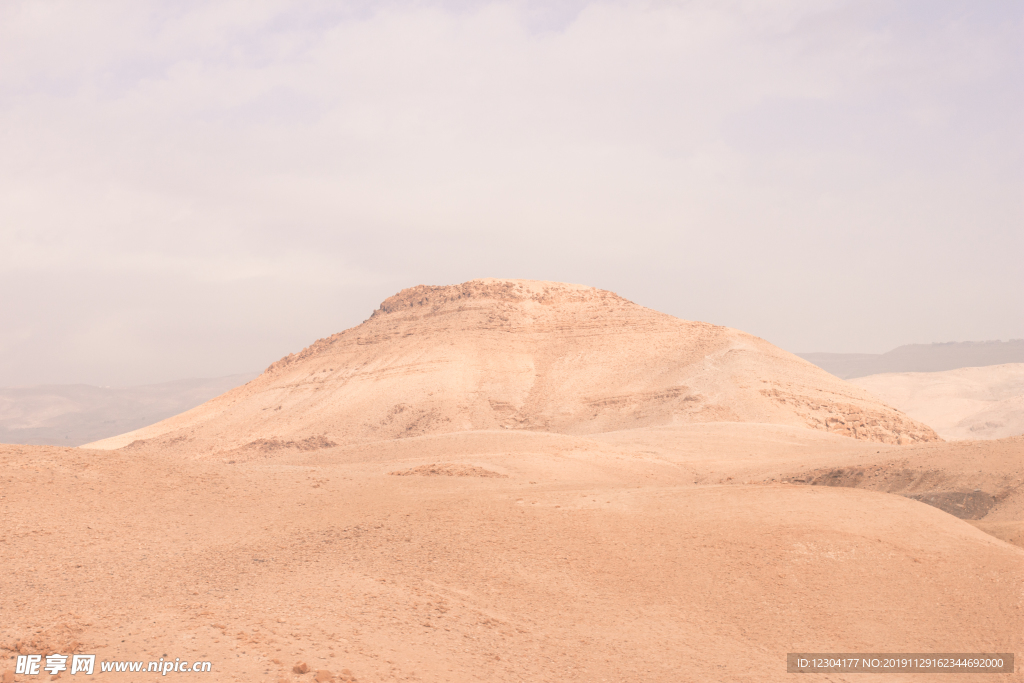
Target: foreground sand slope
point(658, 554)
point(520, 355)
point(968, 403)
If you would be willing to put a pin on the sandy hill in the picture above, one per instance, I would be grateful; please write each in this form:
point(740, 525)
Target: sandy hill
point(969, 403)
point(521, 355)
point(509, 481)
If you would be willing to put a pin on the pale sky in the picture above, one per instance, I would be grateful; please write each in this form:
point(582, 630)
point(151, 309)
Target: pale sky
point(193, 189)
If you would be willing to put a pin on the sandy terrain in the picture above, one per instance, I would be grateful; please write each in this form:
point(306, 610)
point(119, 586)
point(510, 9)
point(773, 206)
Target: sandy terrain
point(672, 554)
point(572, 521)
point(969, 403)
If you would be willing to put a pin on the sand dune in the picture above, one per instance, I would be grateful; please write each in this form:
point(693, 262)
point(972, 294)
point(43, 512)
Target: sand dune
point(969, 403)
point(521, 355)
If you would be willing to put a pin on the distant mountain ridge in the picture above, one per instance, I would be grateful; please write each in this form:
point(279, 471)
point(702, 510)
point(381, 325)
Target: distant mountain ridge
point(920, 358)
point(74, 414)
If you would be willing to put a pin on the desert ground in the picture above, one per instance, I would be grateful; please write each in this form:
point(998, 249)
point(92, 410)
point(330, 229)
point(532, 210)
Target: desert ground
point(516, 481)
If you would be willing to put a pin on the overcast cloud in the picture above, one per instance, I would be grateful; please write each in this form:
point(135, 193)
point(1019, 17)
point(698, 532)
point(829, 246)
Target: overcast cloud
point(199, 188)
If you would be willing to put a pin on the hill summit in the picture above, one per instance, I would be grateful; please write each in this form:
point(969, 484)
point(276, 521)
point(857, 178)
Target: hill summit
point(521, 355)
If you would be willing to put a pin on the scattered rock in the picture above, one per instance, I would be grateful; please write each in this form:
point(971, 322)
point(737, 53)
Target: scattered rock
point(300, 668)
point(448, 470)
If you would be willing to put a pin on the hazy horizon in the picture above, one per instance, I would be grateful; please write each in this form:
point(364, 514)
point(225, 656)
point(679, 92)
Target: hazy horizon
point(838, 361)
point(198, 189)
